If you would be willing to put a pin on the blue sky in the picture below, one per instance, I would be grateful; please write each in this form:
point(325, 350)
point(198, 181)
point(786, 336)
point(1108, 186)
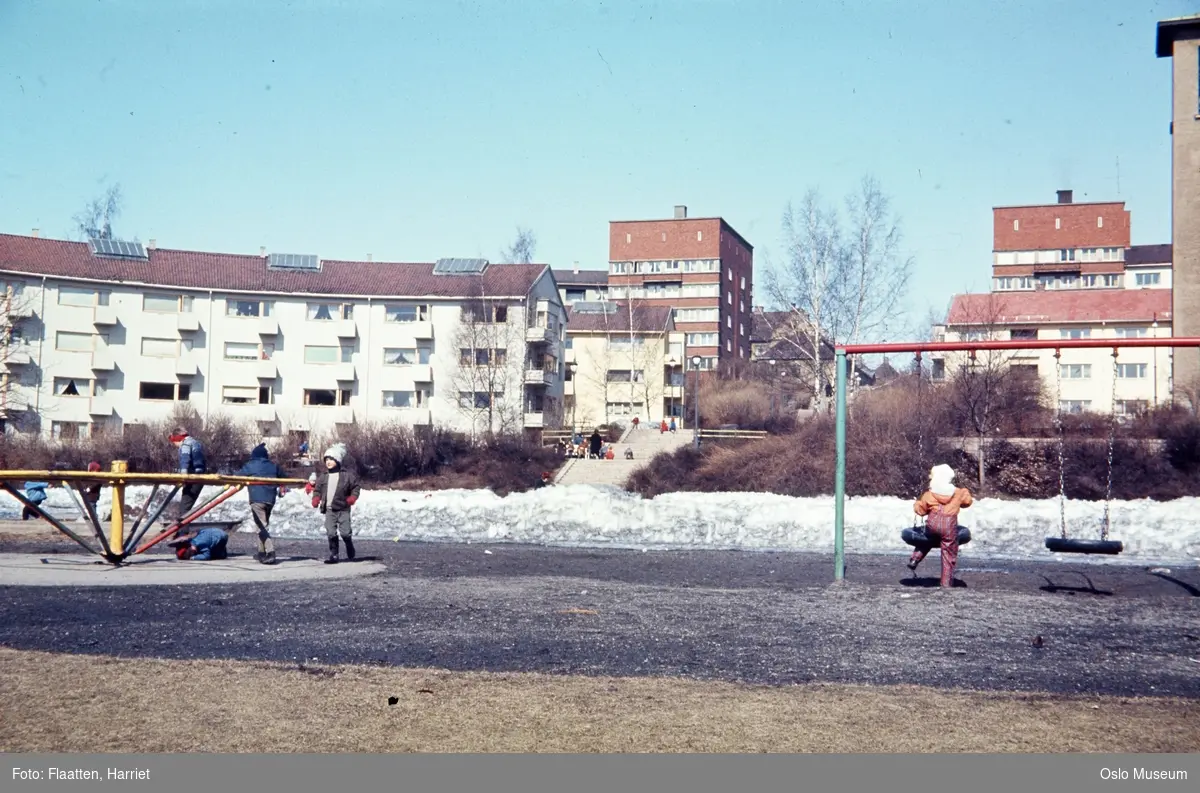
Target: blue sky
point(414, 131)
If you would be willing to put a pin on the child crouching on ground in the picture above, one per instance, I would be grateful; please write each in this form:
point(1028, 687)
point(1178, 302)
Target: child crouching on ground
point(940, 505)
point(334, 493)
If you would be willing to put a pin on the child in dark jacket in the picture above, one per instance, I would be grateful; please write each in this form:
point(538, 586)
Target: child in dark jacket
point(334, 493)
point(262, 498)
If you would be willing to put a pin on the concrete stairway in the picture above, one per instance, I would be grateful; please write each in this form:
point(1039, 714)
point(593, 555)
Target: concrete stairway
point(646, 444)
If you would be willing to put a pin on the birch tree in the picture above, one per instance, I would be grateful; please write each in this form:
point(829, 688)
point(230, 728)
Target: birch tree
point(489, 378)
point(810, 278)
point(522, 249)
point(96, 218)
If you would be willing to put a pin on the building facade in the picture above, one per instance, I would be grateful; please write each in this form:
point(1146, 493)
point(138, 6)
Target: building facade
point(1179, 39)
point(106, 334)
point(577, 285)
point(1068, 271)
point(701, 268)
point(624, 360)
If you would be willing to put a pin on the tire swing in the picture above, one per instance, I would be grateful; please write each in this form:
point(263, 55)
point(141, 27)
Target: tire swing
point(916, 535)
point(1063, 543)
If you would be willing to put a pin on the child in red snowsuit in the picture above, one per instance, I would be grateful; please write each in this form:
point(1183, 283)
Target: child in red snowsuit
point(940, 505)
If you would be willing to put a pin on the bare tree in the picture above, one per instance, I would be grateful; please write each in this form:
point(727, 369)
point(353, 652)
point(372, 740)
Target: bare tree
point(809, 279)
point(979, 384)
point(877, 273)
point(96, 219)
point(522, 249)
point(489, 380)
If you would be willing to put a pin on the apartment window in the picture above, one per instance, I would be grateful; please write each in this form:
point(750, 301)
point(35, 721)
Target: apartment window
point(1016, 225)
point(323, 397)
point(1074, 405)
point(728, 346)
point(626, 376)
point(1099, 222)
point(404, 399)
point(164, 392)
point(1029, 371)
point(1066, 255)
point(414, 313)
point(1075, 333)
point(1147, 279)
point(628, 238)
point(729, 322)
point(406, 356)
point(328, 354)
point(728, 273)
point(160, 348)
point(327, 312)
point(99, 386)
point(1058, 223)
point(1075, 371)
point(70, 387)
point(937, 369)
point(1131, 371)
point(167, 304)
point(699, 236)
point(247, 308)
point(73, 296)
point(68, 430)
point(1023, 334)
point(697, 315)
point(240, 395)
point(73, 342)
point(479, 400)
point(1132, 407)
point(1132, 333)
point(484, 313)
point(702, 340)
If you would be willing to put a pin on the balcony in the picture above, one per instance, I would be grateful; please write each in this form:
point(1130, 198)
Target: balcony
point(104, 316)
point(187, 323)
point(17, 355)
point(412, 330)
point(264, 414)
point(185, 365)
point(342, 414)
point(415, 416)
point(569, 388)
point(101, 406)
point(268, 326)
point(535, 420)
point(265, 370)
point(673, 392)
point(18, 308)
point(569, 355)
point(538, 335)
point(538, 377)
point(102, 360)
point(347, 329)
point(343, 372)
point(421, 373)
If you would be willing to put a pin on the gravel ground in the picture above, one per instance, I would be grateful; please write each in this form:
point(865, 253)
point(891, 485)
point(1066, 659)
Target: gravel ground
point(769, 618)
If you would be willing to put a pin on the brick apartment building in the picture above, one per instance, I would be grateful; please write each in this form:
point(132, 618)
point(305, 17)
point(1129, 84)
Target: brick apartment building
point(1068, 271)
point(699, 267)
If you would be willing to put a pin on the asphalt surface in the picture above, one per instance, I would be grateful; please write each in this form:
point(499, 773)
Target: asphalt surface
point(765, 618)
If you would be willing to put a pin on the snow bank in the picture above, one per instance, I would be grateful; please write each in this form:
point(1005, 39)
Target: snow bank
point(590, 516)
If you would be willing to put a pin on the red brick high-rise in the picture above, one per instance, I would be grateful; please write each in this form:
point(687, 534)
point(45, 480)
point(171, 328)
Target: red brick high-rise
point(701, 267)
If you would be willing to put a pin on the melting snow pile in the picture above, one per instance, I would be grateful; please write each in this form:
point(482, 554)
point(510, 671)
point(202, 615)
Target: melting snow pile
point(586, 515)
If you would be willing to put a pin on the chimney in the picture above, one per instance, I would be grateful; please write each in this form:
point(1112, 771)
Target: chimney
point(153, 244)
point(35, 232)
point(370, 257)
point(262, 251)
point(576, 268)
point(1064, 196)
point(680, 212)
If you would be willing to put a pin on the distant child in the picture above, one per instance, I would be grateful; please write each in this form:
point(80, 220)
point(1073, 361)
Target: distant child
point(206, 544)
point(334, 493)
point(91, 493)
point(940, 505)
point(673, 428)
point(35, 492)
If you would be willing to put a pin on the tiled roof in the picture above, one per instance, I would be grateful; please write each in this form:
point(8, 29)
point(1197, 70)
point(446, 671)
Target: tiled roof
point(1074, 305)
point(642, 319)
point(582, 278)
point(249, 273)
point(1148, 254)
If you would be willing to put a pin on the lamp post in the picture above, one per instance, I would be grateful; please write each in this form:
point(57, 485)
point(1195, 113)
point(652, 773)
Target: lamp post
point(571, 367)
point(772, 363)
point(696, 360)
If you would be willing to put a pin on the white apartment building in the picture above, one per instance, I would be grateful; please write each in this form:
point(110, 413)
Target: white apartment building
point(106, 334)
point(577, 285)
point(1131, 300)
point(623, 360)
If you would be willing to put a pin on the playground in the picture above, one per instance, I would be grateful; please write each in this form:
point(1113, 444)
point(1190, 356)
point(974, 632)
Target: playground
point(488, 643)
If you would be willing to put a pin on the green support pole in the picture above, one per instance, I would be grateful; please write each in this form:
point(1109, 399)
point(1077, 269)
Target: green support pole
point(839, 480)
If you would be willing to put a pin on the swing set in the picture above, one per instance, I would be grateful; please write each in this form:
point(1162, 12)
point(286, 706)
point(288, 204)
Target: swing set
point(916, 536)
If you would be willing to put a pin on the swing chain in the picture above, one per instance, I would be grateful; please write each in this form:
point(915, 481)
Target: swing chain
point(1062, 484)
point(920, 433)
point(1112, 436)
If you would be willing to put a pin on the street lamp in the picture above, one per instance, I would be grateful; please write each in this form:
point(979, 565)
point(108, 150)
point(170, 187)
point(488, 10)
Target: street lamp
point(571, 367)
point(696, 360)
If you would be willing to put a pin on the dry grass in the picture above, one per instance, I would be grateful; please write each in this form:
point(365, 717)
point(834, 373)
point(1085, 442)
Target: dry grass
point(54, 703)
